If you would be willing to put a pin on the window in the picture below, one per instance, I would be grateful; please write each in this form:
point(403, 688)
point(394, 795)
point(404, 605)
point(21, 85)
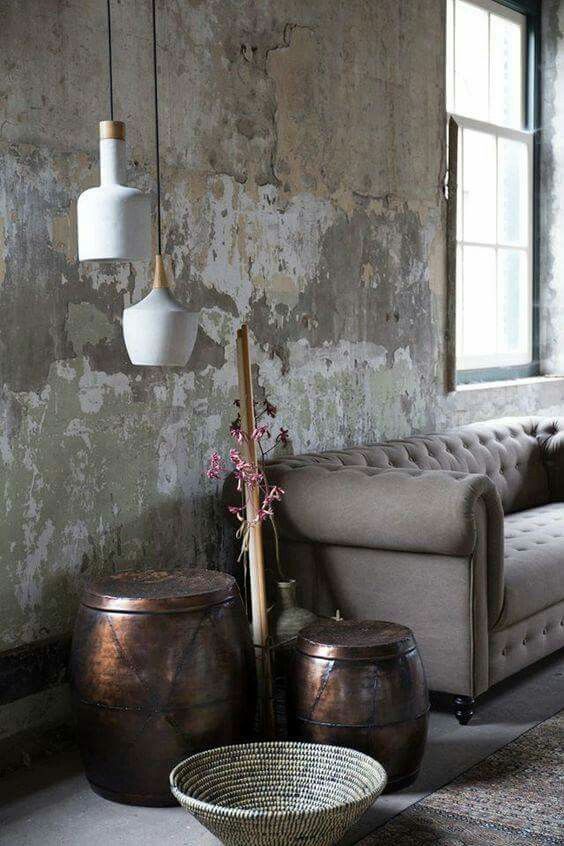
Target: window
point(489, 52)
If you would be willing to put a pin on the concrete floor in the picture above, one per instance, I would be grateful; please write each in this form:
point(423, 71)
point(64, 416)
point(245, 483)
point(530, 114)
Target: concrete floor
point(52, 805)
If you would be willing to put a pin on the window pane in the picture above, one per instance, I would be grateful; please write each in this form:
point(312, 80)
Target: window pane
point(479, 302)
point(513, 192)
point(513, 305)
point(485, 86)
point(471, 60)
point(479, 186)
point(506, 92)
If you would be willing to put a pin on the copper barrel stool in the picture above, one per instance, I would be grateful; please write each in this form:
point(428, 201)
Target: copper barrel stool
point(162, 666)
point(362, 684)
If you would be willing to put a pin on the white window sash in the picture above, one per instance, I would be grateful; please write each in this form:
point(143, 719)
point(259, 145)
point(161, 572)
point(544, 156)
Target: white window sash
point(500, 11)
point(477, 362)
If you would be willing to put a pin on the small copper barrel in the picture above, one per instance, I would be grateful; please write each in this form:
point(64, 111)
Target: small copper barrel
point(162, 666)
point(361, 684)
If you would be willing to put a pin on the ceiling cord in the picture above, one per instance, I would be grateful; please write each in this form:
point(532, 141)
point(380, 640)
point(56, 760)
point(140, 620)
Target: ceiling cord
point(157, 146)
point(157, 150)
point(110, 61)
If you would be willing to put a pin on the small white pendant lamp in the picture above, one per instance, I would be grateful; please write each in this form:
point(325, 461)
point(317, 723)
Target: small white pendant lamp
point(114, 220)
point(158, 331)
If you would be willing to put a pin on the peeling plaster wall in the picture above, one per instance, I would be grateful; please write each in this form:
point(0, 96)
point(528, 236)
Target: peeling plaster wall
point(552, 188)
point(303, 162)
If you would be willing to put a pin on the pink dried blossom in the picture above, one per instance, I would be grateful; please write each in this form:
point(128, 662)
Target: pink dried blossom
point(237, 511)
point(235, 457)
point(260, 432)
point(216, 466)
point(236, 432)
point(249, 474)
point(274, 493)
point(283, 436)
point(245, 472)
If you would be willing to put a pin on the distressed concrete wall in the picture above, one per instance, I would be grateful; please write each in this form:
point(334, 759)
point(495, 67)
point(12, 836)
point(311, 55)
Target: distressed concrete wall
point(552, 188)
point(303, 162)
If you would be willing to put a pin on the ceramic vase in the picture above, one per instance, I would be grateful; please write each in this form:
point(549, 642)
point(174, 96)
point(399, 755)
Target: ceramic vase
point(288, 619)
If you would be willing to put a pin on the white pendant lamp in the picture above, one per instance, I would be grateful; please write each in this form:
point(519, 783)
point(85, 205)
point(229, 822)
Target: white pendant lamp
point(158, 331)
point(114, 220)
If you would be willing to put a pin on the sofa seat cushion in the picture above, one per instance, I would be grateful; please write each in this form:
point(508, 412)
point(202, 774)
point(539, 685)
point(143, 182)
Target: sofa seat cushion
point(534, 562)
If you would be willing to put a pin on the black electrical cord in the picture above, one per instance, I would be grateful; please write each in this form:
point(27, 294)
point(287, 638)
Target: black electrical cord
point(157, 150)
point(110, 58)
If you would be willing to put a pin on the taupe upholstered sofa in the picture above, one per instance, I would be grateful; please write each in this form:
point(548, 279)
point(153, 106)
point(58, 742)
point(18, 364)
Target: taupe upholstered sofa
point(459, 535)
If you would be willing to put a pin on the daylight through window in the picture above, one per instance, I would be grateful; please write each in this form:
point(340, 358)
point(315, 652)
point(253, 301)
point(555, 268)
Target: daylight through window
point(486, 94)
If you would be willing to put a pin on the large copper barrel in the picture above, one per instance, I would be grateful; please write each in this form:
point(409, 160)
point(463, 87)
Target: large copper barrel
point(162, 666)
point(362, 684)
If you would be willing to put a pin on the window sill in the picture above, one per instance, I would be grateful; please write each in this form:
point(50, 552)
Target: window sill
point(509, 383)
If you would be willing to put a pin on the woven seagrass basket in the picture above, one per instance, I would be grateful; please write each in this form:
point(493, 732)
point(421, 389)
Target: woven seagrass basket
point(278, 794)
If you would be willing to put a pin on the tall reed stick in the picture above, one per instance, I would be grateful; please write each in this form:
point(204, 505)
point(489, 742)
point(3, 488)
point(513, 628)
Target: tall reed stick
point(256, 549)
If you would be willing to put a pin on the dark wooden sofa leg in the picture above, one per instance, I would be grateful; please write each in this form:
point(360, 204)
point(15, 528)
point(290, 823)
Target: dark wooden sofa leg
point(464, 709)
point(461, 706)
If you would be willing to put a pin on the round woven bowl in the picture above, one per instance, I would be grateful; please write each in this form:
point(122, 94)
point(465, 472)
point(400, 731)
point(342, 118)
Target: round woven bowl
point(278, 794)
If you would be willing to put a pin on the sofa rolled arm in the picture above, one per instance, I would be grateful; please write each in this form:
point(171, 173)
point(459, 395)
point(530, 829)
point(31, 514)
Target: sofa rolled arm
point(430, 511)
point(440, 512)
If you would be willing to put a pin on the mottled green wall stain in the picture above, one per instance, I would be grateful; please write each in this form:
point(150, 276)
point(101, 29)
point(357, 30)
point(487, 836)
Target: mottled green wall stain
point(86, 324)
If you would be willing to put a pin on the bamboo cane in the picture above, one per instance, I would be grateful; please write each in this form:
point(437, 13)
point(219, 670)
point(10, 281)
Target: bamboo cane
point(256, 549)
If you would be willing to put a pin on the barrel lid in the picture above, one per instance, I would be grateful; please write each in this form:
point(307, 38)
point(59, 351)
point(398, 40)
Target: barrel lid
point(355, 640)
point(159, 590)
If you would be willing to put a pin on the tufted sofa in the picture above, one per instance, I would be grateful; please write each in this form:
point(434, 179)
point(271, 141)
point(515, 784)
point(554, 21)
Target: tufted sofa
point(459, 535)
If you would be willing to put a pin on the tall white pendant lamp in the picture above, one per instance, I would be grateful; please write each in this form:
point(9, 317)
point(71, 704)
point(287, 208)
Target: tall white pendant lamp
point(159, 331)
point(114, 220)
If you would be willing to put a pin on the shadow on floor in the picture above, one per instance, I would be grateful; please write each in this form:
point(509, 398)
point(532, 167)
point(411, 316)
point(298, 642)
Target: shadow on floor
point(62, 769)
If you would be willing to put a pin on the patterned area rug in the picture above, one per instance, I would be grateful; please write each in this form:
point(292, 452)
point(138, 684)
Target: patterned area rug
point(513, 798)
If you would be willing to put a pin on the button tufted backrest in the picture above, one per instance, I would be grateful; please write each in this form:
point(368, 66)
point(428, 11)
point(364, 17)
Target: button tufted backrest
point(550, 433)
point(510, 451)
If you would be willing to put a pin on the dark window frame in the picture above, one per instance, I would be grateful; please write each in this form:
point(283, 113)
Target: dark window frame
point(532, 11)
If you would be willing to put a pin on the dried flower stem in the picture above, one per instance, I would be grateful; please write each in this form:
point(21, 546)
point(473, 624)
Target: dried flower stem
point(251, 477)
